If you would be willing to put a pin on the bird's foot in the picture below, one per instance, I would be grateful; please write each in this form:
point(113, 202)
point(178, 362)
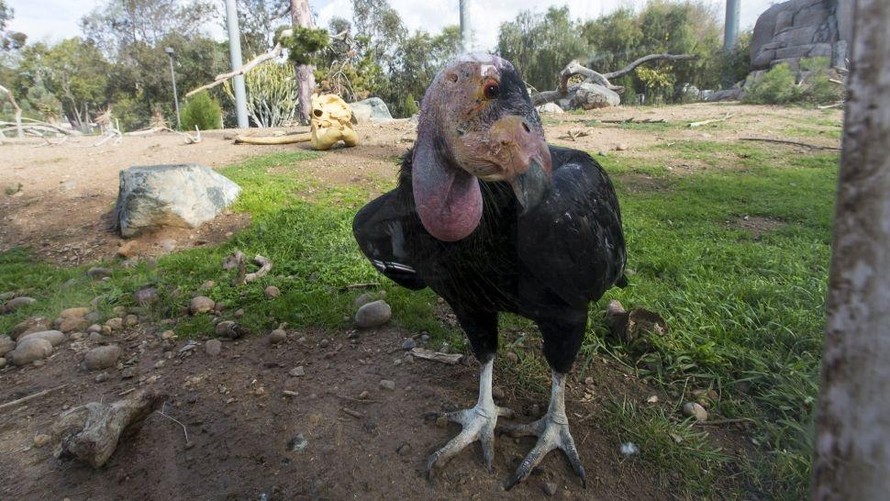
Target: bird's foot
point(552, 432)
point(478, 424)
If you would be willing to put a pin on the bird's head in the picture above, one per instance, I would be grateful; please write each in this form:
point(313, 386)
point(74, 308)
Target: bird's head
point(476, 122)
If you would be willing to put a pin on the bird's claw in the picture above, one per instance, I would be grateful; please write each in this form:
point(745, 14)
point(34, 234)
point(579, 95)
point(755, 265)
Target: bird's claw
point(552, 435)
point(478, 424)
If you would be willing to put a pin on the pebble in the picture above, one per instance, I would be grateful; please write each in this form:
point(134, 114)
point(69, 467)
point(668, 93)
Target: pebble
point(213, 347)
point(6, 345)
point(621, 147)
point(160, 364)
point(16, 303)
point(77, 336)
point(78, 312)
point(115, 324)
point(201, 304)
point(424, 338)
point(549, 488)
point(409, 344)
point(168, 334)
point(363, 299)
point(97, 338)
point(297, 371)
point(119, 311)
point(146, 296)
point(94, 328)
point(2, 362)
point(102, 377)
point(695, 410)
point(388, 384)
point(373, 314)
point(29, 350)
point(239, 313)
point(41, 439)
point(206, 286)
point(97, 272)
point(71, 324)
point(272, 292)
point(442, 421)
point(102, 357)
point(277, 336)
point(364, 395)
point(498, 393)
point(404, 449)
point(512, 357)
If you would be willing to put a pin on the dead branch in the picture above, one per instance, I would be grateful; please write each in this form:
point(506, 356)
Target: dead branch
point(15, 106)
point(275, 52)
point(646, 59)
point(436, 356)
point(634, 120)
point(285, 139)
point(793, 143)
point(184, 429)
point(23, 400)
point(91, 432)
point(833, 105)
point(712, 121)
point(238, 260)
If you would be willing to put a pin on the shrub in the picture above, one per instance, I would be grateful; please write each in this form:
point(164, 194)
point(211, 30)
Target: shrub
point(271, 94)
point(202, 111)
point(777, 86)
point(782, 86)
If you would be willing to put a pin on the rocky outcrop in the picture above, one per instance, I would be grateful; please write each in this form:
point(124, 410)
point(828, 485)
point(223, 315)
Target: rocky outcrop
point(372, 109)
point(155, 196)
point(797, 29)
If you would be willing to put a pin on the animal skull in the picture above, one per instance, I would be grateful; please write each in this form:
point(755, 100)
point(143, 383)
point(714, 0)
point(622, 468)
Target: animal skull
point(331, 121)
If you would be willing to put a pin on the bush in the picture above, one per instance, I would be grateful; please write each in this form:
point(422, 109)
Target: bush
point(780, 85)
point(777, 86)
point(202, 111)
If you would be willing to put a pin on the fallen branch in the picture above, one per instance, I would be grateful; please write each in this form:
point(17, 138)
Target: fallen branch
point(355, 414)
point(15, 106)
point(436, 356)
point(716, 422)
point(266, 140)
point(793, 143)
point(91, 432)
point(833, 105)
point(39, 394)
point(633, 120)
point(712, 121)
point(238, 260)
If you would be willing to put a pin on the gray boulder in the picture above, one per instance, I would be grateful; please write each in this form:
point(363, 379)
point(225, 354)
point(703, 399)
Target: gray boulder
point(54, 337)
point(186, 196)
point(370, 110)
point(30, 350)
point(796, 29)
point(591, 95)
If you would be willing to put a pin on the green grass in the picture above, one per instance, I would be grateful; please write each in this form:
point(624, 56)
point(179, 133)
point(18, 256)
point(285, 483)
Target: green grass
point(745, 310)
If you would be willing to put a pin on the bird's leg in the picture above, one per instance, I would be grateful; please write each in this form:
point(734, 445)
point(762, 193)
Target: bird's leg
point(552, 431)
point(478, 424)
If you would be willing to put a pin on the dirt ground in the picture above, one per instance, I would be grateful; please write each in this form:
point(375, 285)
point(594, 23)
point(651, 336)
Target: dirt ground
point(242, 428)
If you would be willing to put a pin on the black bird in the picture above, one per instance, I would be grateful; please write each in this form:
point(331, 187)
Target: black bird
point(493, 219)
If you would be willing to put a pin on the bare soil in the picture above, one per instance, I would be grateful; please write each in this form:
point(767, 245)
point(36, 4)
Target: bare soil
point(242, 428)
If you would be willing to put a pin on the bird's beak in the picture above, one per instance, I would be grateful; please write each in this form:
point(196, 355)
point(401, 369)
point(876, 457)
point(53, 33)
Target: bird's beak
point(525, 159)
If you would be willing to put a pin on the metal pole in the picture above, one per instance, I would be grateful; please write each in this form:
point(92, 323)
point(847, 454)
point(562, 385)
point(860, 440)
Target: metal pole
point(235, 56)
point(731, 28)
point(466, 34)
point(175, 94)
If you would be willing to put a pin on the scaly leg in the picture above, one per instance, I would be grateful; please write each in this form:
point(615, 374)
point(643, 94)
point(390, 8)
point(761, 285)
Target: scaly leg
point(552, 431)
point(478, 424)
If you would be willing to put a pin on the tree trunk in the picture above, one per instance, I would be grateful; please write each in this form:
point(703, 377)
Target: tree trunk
point(853, 423)
point(301, 16)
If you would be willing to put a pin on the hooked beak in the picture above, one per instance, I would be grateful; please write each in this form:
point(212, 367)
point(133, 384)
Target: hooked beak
point(525, 160)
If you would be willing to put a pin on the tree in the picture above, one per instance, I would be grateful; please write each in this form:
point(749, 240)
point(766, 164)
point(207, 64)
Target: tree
point(258, 20)
point(853, 420)
point(9, 40)
point(302, 17)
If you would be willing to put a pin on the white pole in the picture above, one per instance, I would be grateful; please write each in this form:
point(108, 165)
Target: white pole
point(235, 56)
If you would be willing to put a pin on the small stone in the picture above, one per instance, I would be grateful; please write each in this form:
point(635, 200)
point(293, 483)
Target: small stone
point(102, 377)
point(621, 147)
point(213, 347)
point(694, 409)
point(41, 440)
point(272, 292)
point(168, 335)
point(549, 488)
point(3, 362)
point(33, 324)
point(102, 357)
point(160, 364)
point(129, 373)
point(6, 345)
point(277, 336)
point(146, 296)
point(363, 299)
point(54, 337)
point(512, 357)
point(388, 384)
point(30, 350)
point(364, 395)
point(94, 328)
point(373, 314)
point(442, 421)
point(201, 304)
point(79, 312)
point(96, 272)
point(228, 329)
point(115, 324)
point(297, 371)
point(409, 344)
point(119, 311)
point(498, 393)
point(97, 338)
point(206, 286)
point(16, 303)
point(71, 324)
point(323, 343)
point(239, 313)
point(77, 336)
point(404, 449)
point(424, 338)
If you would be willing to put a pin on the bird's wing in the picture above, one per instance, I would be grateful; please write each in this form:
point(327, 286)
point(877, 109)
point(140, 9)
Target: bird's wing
point(573, 242)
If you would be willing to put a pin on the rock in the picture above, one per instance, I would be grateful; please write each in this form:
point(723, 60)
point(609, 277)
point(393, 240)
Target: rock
point(498, 393)
point(16, 303)
point(621, 147)
point(71, 324)
point(131, 320)
point(97, 272)
point(201, 304)
point(239, 313)
point(442, 421)
point(373, 314)
point(6, 345)
point(97, 338)
point(30, 350)
point(409, 344)
point(277, 336)
point(363, 299)
point(695, 410)
point(146, 296)
point(102, 357)
point(272, 292)
point(78, 312)
point(388, 384)
point(101, 377)
point(77, 336)
point(549, 488)
point(115, 324)
point(2, 362)
point(370, 110)
point(42, 439)
point(228, 329)
point(33, 324)
point(54, 337)
point(213, 347)
point(168, 335)
point(404, 449)
point(512, 357)
point(94, 328)
point(550, 108)
point(591, 96)
point(297, 371)
point(170, 195)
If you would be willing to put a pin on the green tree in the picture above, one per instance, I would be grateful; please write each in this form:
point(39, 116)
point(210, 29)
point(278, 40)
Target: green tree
point(541, 45)
point(416, 63)
point(201, 111)
point(9, 40)
point(258, 20)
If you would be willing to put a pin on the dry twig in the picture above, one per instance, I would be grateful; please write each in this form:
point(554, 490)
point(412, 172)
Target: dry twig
point(793, 143)
point(23, 400)
point(713, 120)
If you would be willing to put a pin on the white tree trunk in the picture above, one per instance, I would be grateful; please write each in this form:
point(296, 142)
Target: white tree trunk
point(302, 16)
point(853, 423)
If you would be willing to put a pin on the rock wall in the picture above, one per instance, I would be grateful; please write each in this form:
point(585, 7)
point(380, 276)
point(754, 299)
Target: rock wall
point(790, 31)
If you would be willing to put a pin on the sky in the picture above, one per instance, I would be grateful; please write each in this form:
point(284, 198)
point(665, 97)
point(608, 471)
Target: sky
point(54, 20)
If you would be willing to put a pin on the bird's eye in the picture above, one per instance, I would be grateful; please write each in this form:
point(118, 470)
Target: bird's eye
point(492, 91)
